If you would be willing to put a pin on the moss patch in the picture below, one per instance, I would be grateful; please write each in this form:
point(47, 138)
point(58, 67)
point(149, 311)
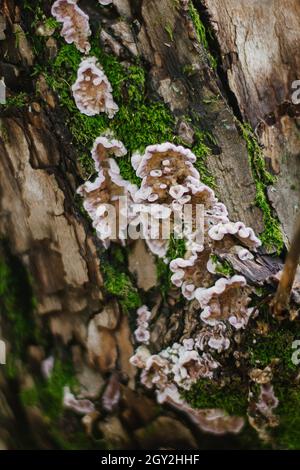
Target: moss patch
point(288, 433)
point(17, 304)
point(176, 249)
point(222, 266)
point(139, 122)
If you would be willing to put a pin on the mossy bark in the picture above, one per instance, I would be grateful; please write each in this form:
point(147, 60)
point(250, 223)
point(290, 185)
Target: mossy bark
point(164, 80)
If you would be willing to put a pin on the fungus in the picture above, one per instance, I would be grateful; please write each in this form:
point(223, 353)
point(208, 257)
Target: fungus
point(140, 357)
point(261, 414)
point(191, 366)
point(267, 401)
point(191, 273)
point(92, 91)
point(76, 27)
point(244, 234)
point(142, 333)
point(180, 364)
point(170, 181)
point(261, 376)
point(82, 407)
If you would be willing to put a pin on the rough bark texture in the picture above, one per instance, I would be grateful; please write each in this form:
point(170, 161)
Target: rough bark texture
point(44, 228)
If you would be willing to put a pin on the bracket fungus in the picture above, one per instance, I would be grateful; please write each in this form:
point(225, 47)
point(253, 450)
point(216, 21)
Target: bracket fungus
point(76, 27)
point(92, 91)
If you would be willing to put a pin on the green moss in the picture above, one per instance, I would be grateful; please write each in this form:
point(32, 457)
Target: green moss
point(48, 397)
point(232, 398)
point(176, 248)
point(17, 304)
point(51, 23)
point(77, 440)
point(118, 284)
point(201, 33)
point(271, 236)
point(139, 122)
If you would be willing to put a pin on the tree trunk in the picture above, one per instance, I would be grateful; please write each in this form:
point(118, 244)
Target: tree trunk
point(58, 283)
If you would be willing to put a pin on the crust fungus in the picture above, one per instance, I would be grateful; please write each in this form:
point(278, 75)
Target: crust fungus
point(244, 234)
point(92, 91)
point(76, 27)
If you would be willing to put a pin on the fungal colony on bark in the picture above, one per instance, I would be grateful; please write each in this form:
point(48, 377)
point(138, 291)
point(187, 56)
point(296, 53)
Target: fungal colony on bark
point(169, 183)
